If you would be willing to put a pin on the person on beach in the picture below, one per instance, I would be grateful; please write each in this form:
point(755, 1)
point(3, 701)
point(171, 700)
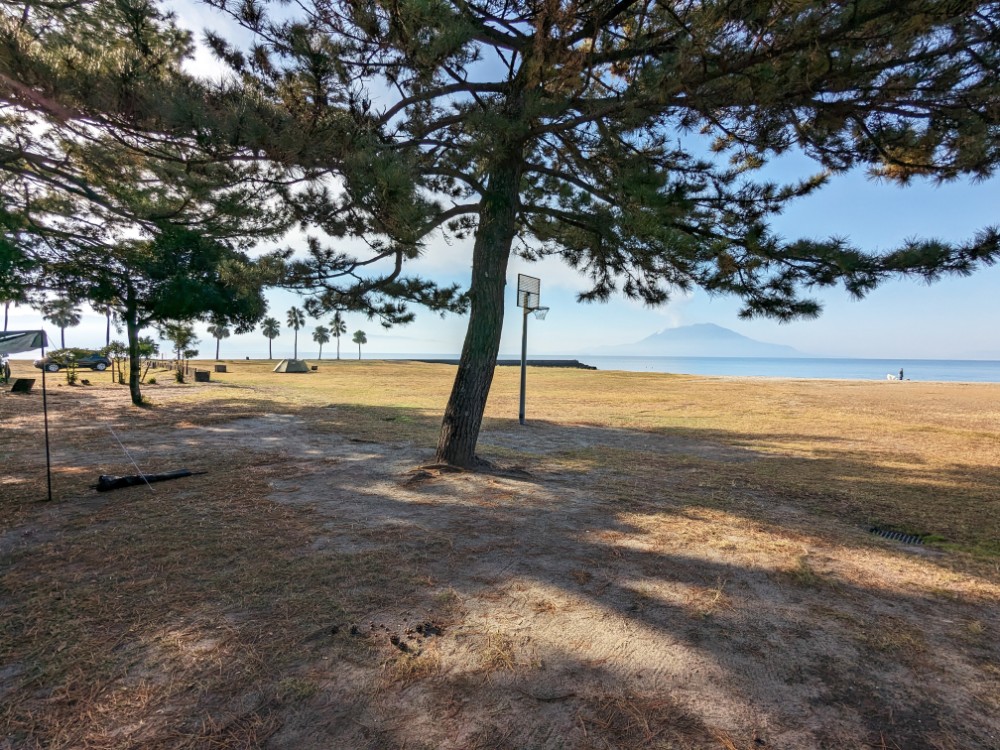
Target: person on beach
point(900, 373)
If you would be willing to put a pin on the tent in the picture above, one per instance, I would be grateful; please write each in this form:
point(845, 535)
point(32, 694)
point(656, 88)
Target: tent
point(12, 342)
point(292, 365)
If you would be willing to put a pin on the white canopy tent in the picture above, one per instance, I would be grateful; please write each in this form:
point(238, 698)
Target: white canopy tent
point(13, 342)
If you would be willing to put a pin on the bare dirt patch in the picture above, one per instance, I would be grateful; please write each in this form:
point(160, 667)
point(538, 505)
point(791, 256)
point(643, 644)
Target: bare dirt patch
point(630, 588)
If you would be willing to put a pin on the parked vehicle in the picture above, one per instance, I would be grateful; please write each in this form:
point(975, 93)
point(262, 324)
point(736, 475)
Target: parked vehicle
point(58, 360)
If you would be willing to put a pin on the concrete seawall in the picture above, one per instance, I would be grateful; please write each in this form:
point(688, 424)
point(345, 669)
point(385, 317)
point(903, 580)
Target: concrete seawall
point(574, 363)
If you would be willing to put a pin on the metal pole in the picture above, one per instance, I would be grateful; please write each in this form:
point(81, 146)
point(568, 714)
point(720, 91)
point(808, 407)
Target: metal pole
point(524, 363)
point(45, 412)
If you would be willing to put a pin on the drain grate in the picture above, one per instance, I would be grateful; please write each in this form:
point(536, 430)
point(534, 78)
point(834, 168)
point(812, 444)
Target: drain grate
point(897, 536)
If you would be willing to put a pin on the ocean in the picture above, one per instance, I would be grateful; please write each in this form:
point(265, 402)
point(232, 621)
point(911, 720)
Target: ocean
point(946, 370)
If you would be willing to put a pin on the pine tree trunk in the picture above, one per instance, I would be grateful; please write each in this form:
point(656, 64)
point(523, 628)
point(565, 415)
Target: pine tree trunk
point(107, 330)
point(320, 352)
point(463, 416)
point(217, 342)
point(269, 354)
point(6, 312)
point(295, 351)
point(134, 364)
point(338, 347)
point(62, 336)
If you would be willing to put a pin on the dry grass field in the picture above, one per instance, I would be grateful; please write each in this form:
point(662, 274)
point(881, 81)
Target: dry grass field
point(660, 562)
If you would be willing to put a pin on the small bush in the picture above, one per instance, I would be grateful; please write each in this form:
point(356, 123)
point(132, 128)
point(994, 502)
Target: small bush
point(179, 376)
point(151, 381)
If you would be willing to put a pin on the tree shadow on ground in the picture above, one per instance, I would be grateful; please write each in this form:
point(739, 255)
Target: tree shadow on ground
point(562, 615)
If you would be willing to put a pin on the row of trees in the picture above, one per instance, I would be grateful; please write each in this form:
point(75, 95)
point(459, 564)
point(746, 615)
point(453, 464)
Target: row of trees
point(623, 136)
point(271, 329)
point(65, 314)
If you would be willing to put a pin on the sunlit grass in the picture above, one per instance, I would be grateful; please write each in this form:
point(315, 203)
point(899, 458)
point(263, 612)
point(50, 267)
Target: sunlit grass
point(177, 618)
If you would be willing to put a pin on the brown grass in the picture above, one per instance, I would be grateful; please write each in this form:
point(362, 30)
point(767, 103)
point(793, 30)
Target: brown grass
point(723, 517)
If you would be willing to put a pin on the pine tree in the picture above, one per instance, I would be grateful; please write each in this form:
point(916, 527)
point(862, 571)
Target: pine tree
point(624, 137)
point(104, 187)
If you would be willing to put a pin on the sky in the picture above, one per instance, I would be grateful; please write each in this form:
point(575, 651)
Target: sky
point(955, 318)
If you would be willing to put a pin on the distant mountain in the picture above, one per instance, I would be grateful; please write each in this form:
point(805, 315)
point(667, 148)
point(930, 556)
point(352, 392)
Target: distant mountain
point(701, 340)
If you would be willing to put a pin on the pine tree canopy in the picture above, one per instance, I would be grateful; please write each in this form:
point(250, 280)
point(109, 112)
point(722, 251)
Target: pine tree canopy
point(628, 137)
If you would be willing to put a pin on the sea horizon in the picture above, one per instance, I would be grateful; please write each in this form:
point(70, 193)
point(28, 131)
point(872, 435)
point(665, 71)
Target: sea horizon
point(816, 368)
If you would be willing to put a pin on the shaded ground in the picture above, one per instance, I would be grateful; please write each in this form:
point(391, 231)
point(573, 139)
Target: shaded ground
point(312, 590)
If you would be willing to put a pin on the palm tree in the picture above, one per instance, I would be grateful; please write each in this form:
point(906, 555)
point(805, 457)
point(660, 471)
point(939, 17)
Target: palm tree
point(63, 313)
point(321, 336)
point(270, 328)
point(108, 312)
point(296, 319)
point(359, 339)
point(9, 299)
point(219, 331)
point(338, 327)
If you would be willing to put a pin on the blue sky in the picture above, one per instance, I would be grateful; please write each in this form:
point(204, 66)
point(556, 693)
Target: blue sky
point(951, 319)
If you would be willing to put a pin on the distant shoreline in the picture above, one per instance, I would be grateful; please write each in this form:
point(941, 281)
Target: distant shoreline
point(792, 368)
point(573, 363)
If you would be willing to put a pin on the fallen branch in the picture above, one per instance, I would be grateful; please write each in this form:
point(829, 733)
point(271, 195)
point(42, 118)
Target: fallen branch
point(108, 482)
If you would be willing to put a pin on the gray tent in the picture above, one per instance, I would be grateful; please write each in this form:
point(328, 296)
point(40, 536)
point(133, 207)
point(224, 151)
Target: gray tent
point(12, 342)
point(292, 365)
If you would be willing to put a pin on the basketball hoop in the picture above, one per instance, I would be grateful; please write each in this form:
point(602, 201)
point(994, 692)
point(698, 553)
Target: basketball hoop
point(528, 291)
point(529, 297)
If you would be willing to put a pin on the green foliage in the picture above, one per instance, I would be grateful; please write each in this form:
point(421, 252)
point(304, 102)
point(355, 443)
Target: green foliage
point(67, 355)
point(180, 334)
point(116, 350)
point(629, 139)
point(271, 328)
point(114, 190)
point(337, 326)
point(148, 348)
point(61, 312)
point(296, 318)
point(359, 339)
point(321, 335)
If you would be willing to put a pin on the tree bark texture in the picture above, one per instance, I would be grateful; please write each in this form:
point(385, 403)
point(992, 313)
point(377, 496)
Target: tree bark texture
point(463, 416)
point(134, 363)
